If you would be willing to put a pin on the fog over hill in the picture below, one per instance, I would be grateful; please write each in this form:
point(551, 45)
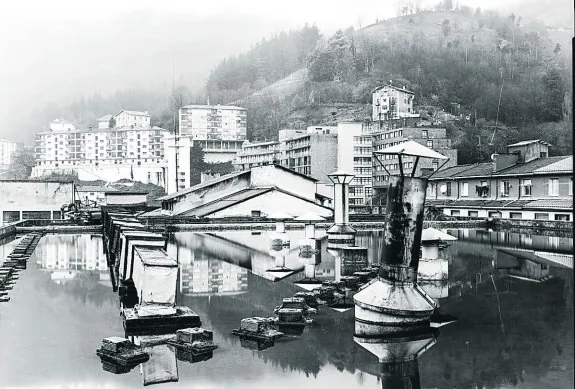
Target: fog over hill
point(53, 53)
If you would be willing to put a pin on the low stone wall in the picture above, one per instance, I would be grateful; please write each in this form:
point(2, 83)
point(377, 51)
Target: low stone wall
point(60, 229)
point(517, 224)
point(7, 230)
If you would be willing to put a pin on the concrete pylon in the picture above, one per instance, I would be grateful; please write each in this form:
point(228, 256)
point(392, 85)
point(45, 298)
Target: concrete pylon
point(393, 302)
point(341, 234)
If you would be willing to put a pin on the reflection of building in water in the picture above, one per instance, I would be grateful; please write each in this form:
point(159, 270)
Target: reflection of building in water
point(162, 366)
point(502, 239)
point(201, 272)
point(68, 255)
point(524, 264)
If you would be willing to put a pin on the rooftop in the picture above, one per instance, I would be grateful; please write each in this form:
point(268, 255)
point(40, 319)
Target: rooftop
point(105, 118)
point(213, 107)
point(393, 87)
point(96, 188)
point(135, 113)
point(528, 142)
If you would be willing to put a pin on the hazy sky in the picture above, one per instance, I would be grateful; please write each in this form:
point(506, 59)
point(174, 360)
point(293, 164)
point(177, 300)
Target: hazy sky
point(56, 50)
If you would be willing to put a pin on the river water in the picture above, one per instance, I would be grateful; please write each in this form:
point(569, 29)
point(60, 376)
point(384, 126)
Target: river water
point(512, 295)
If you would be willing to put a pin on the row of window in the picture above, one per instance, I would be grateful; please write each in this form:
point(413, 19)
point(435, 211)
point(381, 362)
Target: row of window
point(515, 215)
point(504, 189)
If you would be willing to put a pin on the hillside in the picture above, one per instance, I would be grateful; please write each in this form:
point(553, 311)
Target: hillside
point(467, 57)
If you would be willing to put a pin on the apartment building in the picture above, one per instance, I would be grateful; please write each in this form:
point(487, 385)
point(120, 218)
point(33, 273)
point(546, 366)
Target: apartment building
point(7, 150)
point(107, 154)
point(217, 122)
point(257, 154)
point(355, 155)
point(390, 102)
point(312, 154)
point(430, 137)
point(523, 184)
point(133, 119)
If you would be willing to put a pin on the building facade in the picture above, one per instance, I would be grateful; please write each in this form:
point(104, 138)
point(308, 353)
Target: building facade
point(107, 154)
point(430, 137)
point(355, 156)
point(390, 102)
point(257, 154)
point(7, 150)
point(312, 154)
point(133, 119)
point(23, 199)
point(523, 184)
point(213, 122)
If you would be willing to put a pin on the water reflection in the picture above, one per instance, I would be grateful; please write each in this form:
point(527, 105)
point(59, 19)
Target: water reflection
point(510, 331)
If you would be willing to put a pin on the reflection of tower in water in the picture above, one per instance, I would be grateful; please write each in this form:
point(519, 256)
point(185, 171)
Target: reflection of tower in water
point(397, 356)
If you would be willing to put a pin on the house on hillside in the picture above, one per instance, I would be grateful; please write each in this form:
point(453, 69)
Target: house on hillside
point(257, 192)
point(523, 184)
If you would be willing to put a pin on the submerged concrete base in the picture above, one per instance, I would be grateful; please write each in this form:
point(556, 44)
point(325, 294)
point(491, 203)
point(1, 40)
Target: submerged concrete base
point(384, 307)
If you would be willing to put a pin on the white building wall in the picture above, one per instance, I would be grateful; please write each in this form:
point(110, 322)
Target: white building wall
point(270, 175)
point(273, 201)
point(7, 150)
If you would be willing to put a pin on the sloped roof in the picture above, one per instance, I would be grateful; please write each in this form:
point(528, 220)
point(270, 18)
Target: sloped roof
point(530, 167)
point(528, 142)
point(191, 189)
point(105, 118)
point(412, 148)
point(451, 171)
point(213, 106)
point(135, 113)
point(551, 204)
point(95, 188)
point(563, 165)
point(224, 202)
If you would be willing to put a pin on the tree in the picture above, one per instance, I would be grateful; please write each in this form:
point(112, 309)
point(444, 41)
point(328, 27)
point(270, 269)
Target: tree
point(553, 95)
point(21, 164)
point(445, 27)
point(112, 122)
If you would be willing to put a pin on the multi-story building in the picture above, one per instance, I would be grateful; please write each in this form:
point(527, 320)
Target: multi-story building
point(355, 155)
point(7, 150)
point(133, 119)
point(522, 184)
point(430, 137)
point(104, 121)
point(217, 122)
point(107, 154)
point(390, 102)
point(220, 130)
point(257, 154)
point(312, 154)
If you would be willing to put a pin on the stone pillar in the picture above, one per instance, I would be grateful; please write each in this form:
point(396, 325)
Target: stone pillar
point(394, 302)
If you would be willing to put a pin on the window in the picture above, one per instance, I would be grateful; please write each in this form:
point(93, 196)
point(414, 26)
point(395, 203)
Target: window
point(455, 212)
point(256, 213)
point(429, 144)
point(483, 189)
point(553, 189)
point(448, 189)
point(435, 166)
point(526, 187)
point(562, 217)
point(495, 214)
point(473, 213)
point(571, 186)
point(464, 189)
point(505, 187)
point(515, 215)
point(541, 216)
point(424, 134)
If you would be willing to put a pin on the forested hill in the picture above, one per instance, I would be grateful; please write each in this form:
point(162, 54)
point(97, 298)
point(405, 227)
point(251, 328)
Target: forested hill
point(466, 56)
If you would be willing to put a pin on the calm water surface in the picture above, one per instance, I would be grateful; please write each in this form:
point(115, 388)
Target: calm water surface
point(512, 295)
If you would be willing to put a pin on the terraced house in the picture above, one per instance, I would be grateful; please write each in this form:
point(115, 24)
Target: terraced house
point(523, 184)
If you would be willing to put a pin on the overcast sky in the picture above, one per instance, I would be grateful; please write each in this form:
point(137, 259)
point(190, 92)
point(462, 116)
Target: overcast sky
point(56, 50)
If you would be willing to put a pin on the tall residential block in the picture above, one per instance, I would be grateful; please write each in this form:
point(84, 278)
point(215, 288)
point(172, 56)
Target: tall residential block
point(108, 154)
point(7, 150)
